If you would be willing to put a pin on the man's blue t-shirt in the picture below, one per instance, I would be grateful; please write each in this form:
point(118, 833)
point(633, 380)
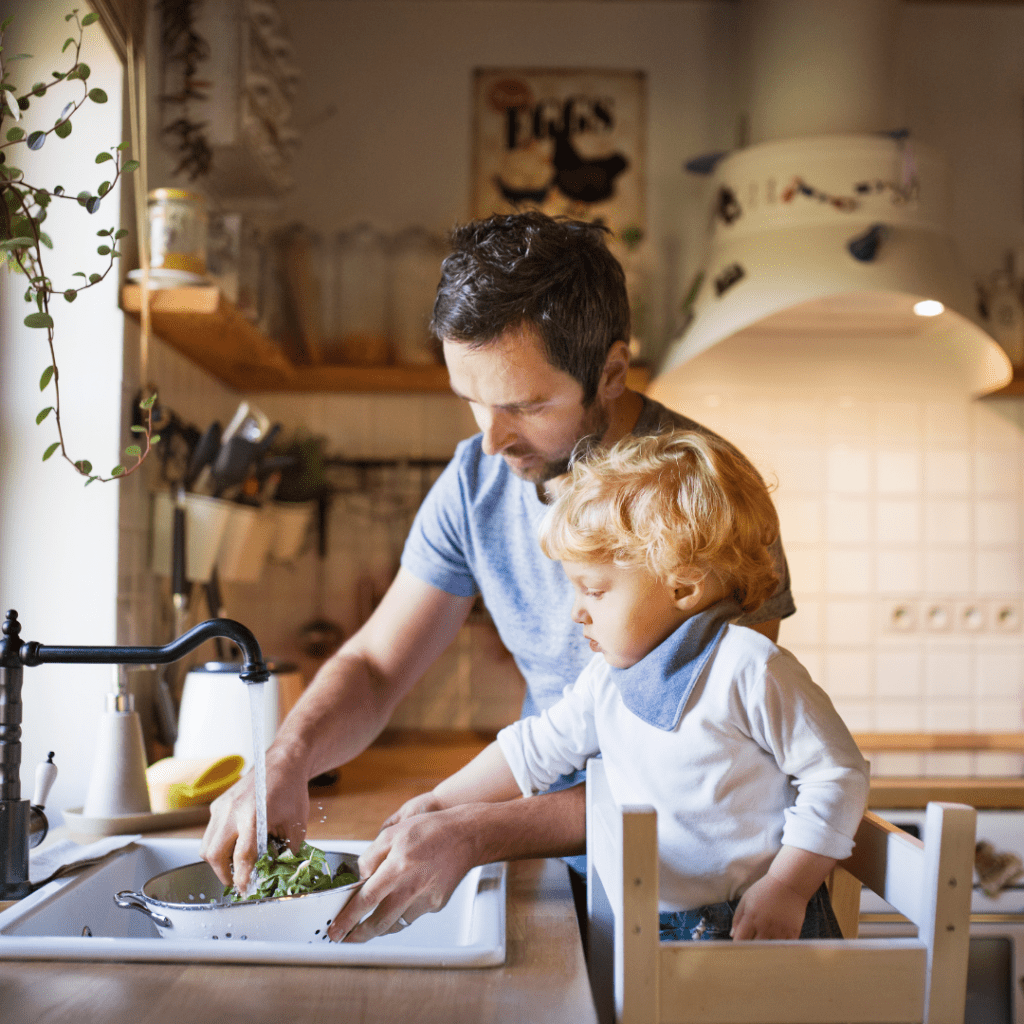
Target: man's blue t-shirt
point(476, 533)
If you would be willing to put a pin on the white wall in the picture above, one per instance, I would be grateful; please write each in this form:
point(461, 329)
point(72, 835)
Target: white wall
point(58, 539)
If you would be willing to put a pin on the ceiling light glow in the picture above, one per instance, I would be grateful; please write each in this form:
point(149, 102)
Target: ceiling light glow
point(928, 307)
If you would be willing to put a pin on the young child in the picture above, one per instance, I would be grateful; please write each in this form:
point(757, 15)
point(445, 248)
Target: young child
point(758, 785)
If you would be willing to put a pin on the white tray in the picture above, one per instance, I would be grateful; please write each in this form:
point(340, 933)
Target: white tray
point(127, 824)
point(75, 918)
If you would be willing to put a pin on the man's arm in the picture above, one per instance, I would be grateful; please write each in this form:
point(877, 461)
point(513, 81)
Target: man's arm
point(341, 712)
point(415, 865)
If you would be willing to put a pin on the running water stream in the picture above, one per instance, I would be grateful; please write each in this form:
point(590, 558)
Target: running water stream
point(259, 768)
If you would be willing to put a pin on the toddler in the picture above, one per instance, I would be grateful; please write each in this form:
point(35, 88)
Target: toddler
point(758, 785)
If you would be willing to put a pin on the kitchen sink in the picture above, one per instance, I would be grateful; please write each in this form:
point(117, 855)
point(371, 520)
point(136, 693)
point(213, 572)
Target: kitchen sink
point(75, 918)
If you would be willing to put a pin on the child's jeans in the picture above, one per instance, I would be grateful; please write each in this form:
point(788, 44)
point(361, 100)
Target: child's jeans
point(714, 921)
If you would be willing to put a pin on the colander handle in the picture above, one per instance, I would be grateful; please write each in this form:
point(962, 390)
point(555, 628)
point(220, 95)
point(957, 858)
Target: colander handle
point(130, 900)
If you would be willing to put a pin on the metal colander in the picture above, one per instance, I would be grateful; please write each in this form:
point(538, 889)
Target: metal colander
point(189, 903)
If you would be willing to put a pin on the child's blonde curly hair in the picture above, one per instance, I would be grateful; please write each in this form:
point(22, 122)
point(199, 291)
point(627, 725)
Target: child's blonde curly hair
point(685, 505)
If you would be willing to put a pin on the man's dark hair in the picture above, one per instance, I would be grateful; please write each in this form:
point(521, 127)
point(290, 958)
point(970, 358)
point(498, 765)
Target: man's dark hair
point(554, 274)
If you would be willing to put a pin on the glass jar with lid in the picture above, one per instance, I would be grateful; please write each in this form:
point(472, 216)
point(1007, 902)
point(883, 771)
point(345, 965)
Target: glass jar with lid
point(358, 334)
point(177, 231)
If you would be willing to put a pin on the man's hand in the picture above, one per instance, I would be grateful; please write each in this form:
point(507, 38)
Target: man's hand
point(411, 868)
point(769, 910)
point(229, 843)
point(425, 803)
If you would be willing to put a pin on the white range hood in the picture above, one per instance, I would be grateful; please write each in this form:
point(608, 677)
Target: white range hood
point(825, 236)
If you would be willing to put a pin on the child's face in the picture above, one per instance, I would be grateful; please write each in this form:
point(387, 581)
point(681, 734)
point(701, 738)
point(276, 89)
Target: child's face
point(625, 612)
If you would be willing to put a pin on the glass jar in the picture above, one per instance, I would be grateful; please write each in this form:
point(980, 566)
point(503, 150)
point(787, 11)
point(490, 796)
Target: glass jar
point(177, 231)
point(358, 333)
point(415, 273)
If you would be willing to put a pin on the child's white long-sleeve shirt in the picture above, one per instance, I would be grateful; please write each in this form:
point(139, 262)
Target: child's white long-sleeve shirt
point(759, 757)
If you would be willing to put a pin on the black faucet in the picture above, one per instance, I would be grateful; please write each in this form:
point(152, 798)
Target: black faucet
point(16, 655)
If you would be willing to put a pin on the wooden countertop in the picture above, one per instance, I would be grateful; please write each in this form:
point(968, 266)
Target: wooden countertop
point(543, 979)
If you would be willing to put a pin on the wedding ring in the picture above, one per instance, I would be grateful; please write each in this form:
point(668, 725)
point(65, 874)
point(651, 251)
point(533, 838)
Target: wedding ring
point(402, 922)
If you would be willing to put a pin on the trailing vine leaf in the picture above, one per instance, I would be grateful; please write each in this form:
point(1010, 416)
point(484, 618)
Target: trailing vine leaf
point(131, 167)
point(24, 209)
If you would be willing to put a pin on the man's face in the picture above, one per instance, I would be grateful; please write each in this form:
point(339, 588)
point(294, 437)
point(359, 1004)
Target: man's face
point(531, 414)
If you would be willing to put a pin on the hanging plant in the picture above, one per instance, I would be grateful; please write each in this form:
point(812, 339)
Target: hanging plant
point(23, 209)
point(184, 49)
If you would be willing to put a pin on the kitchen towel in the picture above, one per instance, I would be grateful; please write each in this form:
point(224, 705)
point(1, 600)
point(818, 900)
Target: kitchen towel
point(64, 856)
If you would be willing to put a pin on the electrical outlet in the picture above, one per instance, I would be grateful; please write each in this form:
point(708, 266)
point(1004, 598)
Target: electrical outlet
point(938, 616)
point(900, 617)
point(1006, 616)
point(971, 617)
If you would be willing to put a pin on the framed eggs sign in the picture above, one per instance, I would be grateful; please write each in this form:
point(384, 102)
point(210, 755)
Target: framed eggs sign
point(567, 142)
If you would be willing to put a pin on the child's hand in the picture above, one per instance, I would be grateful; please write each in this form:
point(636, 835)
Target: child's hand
point(769, 910)
point(425, 803)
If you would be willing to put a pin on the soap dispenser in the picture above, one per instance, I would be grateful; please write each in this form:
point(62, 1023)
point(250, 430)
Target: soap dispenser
point(117, 786)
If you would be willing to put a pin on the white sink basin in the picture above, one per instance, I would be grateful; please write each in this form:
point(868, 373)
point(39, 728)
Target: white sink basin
point(76, 919)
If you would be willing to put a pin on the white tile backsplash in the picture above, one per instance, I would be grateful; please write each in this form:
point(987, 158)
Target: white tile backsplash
point(997, 521)
point(898, 472)
point(848, 571)
point(998, 570)
point(899, 675)
point(898, 571)
point(849, 622)
point(947, 472)
point(848, 673)
point(947, 521)
point(948, 571)
point(947, 424)
point(897, 521)
point(849, 470)
point(948, 672)
point(997, 473)
point(906, 503)
point(847, 521)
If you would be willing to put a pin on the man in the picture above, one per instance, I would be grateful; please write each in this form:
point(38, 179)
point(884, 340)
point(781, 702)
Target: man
point(533, 317)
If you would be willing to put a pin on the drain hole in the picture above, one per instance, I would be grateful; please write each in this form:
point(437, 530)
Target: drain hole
point(87, 932)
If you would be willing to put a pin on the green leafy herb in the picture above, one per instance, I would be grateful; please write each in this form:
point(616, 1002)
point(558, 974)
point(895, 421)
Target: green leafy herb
point(279, 872)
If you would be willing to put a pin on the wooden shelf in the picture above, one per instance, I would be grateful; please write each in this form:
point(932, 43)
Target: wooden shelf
point(940, 741)
point(210, 331)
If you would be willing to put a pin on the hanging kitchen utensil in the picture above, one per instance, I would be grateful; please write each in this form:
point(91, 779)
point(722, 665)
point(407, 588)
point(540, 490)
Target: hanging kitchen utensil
point(231, 466)
point(321, 636)
point(203, 454)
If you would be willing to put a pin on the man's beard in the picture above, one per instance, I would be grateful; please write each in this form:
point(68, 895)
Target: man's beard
point(592, 429)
